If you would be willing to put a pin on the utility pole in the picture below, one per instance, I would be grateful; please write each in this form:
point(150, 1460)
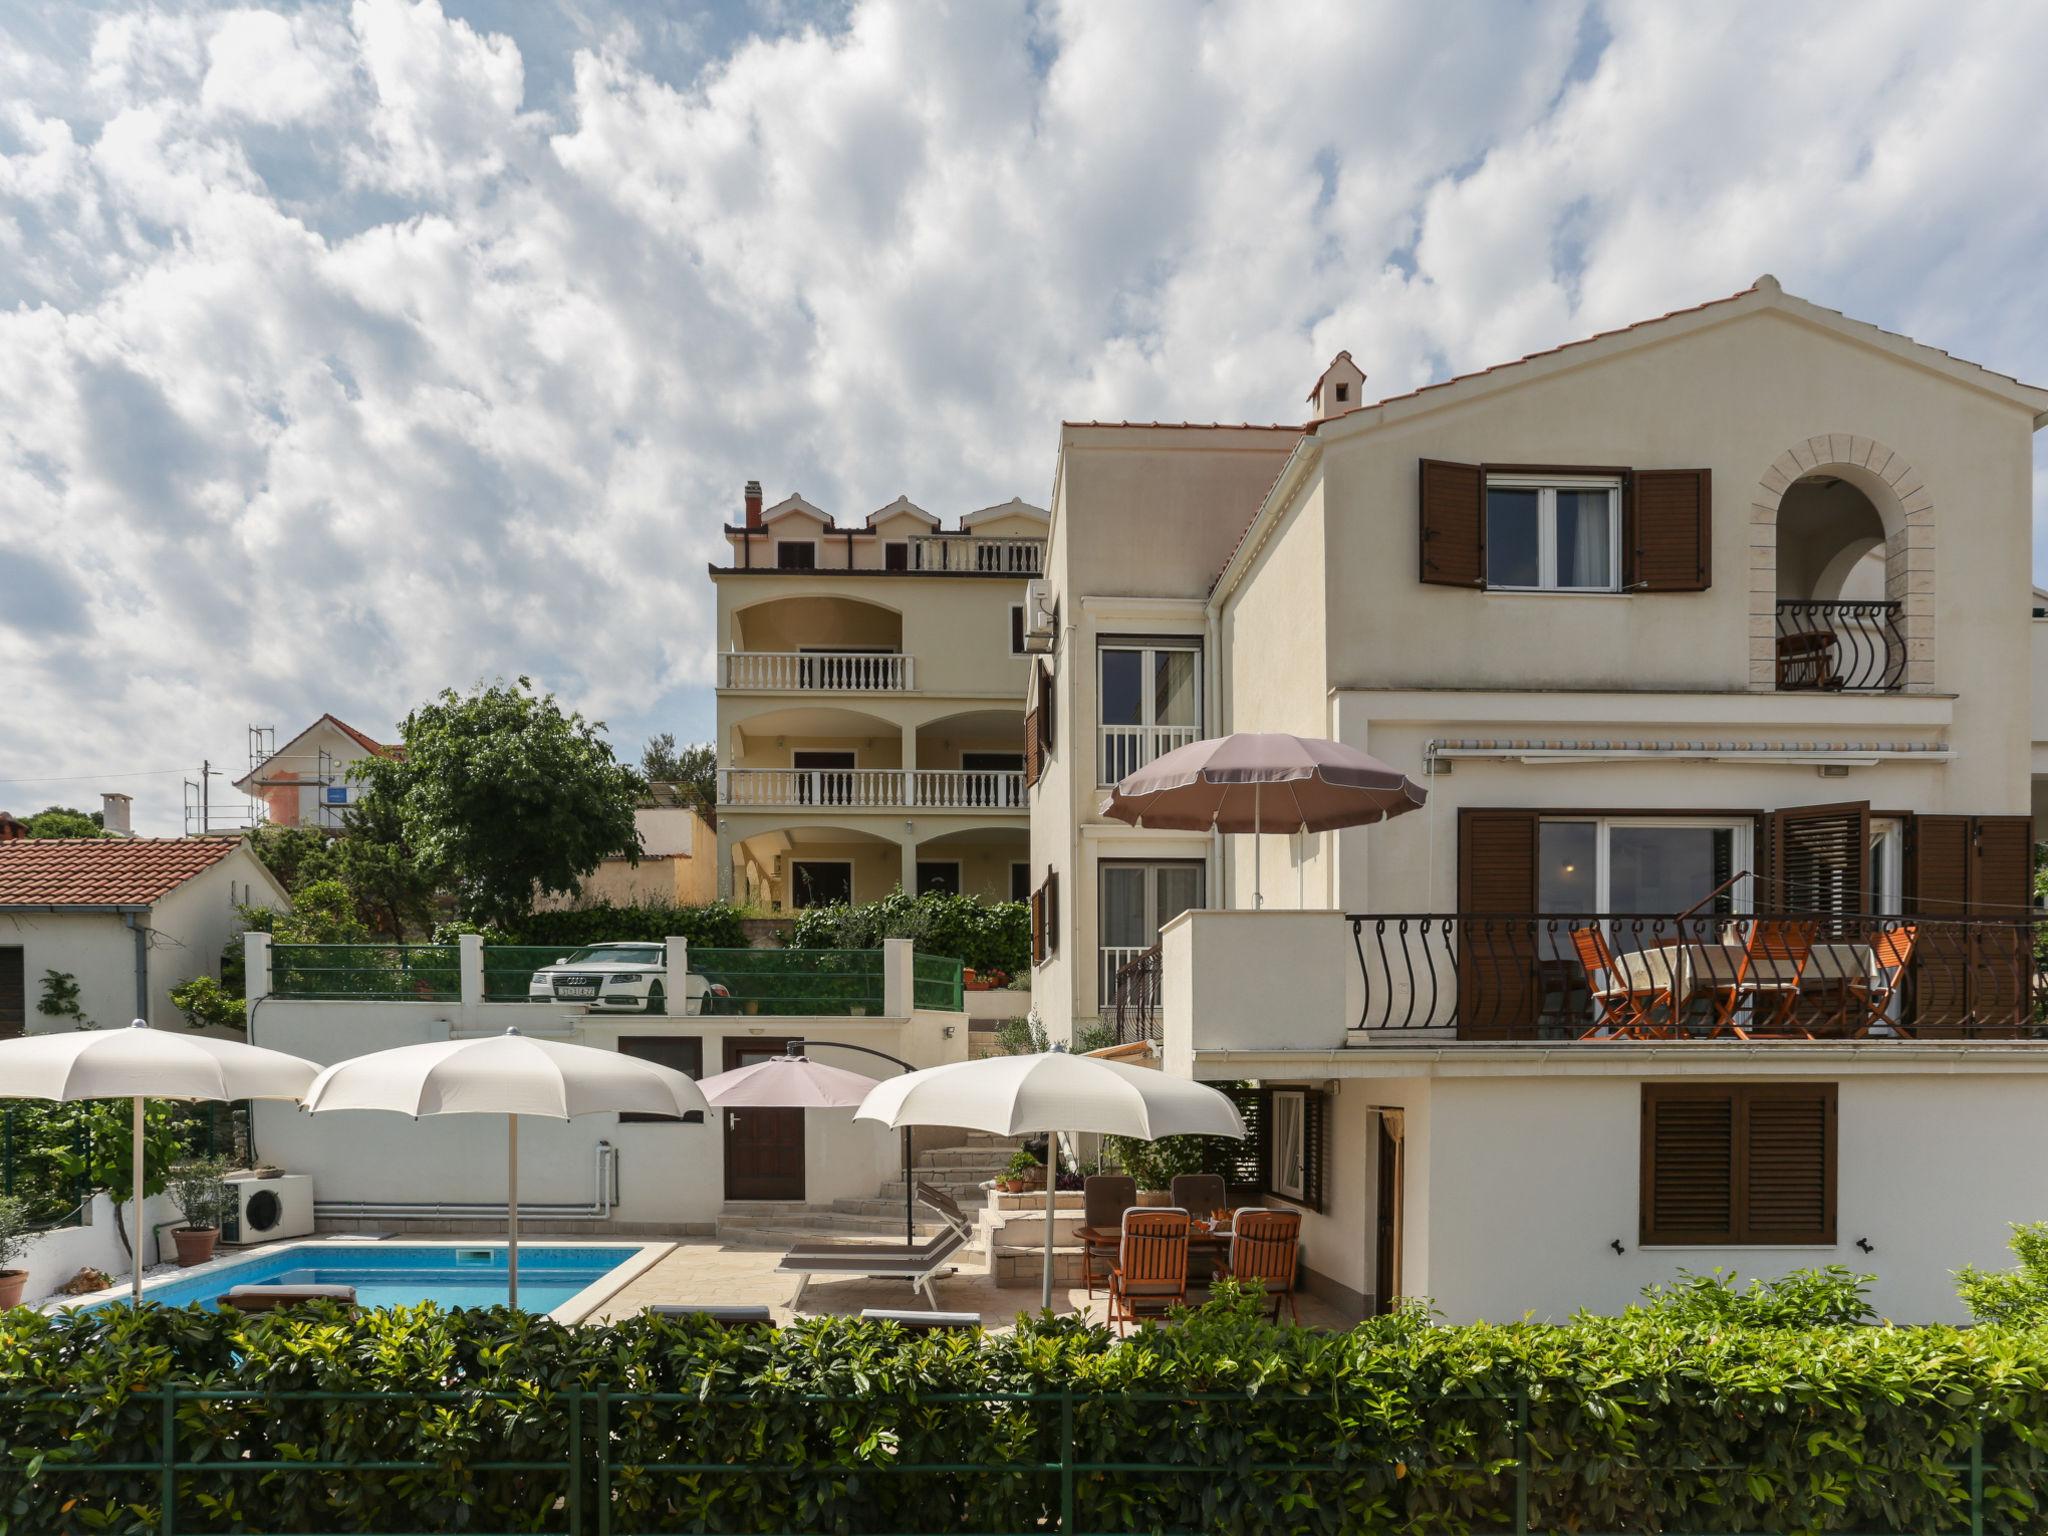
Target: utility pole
point(205, 789)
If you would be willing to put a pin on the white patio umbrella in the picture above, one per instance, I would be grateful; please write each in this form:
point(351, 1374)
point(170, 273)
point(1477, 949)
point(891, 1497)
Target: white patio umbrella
point(509, 1075)
point(141, 1063)
point(1048, 1093)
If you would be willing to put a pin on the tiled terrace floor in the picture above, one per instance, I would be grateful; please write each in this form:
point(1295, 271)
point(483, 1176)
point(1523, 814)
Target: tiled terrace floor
point(708, 1273)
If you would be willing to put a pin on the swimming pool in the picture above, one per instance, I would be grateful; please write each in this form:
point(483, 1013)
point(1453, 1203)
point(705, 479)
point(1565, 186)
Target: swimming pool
point(564, 1279)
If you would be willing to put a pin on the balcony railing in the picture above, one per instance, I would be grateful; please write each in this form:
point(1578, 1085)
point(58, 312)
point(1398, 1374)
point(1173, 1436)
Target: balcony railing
point(815, 672)
point(1127, 748)
point(1768, 976)
point(1839, 647)
point(937, 789)
point(968, 554)
point(1110, 962)
point(1133, 1006)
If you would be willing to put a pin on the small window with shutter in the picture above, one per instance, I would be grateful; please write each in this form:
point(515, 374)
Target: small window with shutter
point(1738, 1164)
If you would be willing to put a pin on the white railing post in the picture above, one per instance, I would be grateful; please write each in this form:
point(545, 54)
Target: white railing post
point(469, 964)
point(899, 978)
point(256, 965)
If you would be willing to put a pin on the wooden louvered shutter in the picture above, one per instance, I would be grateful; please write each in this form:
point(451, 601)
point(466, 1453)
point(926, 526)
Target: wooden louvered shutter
point(1038, 926)
point(2002, 866)
point(1670, 530)
point(2002, 940)
point(13, 991)
point(1938, 886)
point(1787, 1163)
point(1498, 995)
point(1242, 1164)
point(1052, 912)
point(1819, 859)
point(1453, 524)
point(1315, 1143)
point(1034, 760)
point(1688, 1163)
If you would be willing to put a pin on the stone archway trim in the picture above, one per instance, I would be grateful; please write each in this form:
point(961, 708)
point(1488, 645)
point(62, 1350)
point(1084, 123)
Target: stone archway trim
point(1909, 546)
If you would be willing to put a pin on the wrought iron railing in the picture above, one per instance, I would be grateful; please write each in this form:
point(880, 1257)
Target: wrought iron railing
point(1596, 976)
point(1839, 647)
point(1134, 998)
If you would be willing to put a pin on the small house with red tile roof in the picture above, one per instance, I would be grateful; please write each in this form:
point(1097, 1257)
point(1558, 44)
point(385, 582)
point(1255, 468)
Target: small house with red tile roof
point(306, 782)
point(127, 918)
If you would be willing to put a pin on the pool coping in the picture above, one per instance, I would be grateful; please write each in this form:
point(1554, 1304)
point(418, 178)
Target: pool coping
point(640, 1257)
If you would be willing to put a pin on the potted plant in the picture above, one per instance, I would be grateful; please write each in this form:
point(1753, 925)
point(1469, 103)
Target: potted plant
point(201, 1191)
point(14, 1236)
point(1024, 1172)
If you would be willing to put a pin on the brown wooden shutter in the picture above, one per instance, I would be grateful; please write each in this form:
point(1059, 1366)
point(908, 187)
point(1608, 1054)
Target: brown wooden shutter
point(1034, 760)
point(1453, 524)
point(1047, 715)
point(1788, 1163)
point(2002, 867)
point(2001, 946)
point(1938, 858)
point(1244, 1165)
point(13, 991)
point(1038, 926)
point(1315, 1143)
point(1939, 865)
point(1669, 528)
point(1819, 859)
point(1498, 995)
point(1688, 1163)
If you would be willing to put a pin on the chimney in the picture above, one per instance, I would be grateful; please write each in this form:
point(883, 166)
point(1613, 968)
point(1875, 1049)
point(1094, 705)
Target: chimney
point(1338, 391)
point(10, 829)
point(753, 503)
point(114, 814)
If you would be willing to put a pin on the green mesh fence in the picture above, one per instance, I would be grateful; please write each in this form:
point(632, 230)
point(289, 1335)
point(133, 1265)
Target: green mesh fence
point(938, 982)
point(790, 981)
point(428, 973)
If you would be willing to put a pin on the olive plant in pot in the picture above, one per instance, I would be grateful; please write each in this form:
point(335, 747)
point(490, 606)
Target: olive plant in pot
point(14, 1236)
point(201, 1190)
point(1025, 1172)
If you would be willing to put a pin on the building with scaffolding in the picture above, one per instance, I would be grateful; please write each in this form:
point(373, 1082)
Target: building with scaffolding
point(304, 783)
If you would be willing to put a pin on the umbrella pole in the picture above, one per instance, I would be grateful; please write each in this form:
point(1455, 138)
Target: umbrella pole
point(1052, 1179)
point(135, 1199)
point(512, 1209)
point(1258, 890)
point(909, 1197)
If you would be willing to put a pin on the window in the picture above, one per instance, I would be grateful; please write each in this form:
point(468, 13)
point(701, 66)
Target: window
point(1020, 882)
point(1343, 393)
point(939, 875)
point(1738, 1163)
point(896, 556)
point(1136, 901)
point(793, 556)
point(1016, 629)
point(1289, 1152)
point(820, 882)
point(1652, 866)
point(1045, 919)
point(682, 1053)
point(1553, 535)
point(1149, 698)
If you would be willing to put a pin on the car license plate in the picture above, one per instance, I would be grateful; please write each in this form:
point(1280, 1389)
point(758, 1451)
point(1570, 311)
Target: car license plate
point(576, 989)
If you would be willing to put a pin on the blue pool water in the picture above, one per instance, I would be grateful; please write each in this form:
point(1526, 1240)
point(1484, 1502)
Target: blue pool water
point(401, 1274)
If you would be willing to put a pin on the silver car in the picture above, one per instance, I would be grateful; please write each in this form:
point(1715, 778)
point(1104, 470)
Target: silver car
point(609, 978)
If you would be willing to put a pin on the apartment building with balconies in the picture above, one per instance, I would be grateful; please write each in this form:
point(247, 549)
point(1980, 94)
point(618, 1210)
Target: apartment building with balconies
point(870, 689)
point(1714, 944)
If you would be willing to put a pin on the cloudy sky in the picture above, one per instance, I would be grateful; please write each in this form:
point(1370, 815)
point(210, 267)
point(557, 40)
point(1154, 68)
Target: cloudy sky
point(351, 350)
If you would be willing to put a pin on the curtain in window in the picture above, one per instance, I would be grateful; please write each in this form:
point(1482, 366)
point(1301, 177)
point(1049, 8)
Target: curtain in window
point(1584, 528)
point(1173, 688)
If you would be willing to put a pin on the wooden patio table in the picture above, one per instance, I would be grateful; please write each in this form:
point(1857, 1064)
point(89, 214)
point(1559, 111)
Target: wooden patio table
point(1691, 969)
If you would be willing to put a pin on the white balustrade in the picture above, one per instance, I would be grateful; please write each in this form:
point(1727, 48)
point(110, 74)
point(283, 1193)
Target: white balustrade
point(943, 789)
point(1127, 748)
point(815, 671)
point(970, 554)
point(969, 789)
point(1113, 959)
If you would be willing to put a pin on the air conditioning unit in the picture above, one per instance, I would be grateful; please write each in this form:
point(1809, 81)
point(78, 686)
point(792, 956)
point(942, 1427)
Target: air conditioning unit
point(1041, 617)
point(262, 1210)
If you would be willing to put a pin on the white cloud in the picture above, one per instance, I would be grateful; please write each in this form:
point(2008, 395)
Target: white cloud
point(345, 354)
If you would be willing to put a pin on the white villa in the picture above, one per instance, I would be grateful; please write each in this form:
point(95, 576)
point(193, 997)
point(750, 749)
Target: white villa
point(1711, 618)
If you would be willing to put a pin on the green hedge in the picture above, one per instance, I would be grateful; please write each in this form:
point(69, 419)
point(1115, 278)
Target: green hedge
point(716, 924)
point(986, 935)
point(1640, 1423)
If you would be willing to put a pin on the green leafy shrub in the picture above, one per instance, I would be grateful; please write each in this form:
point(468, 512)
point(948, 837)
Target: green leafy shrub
point(1155, 1164)
point(207, 1004)
point(2019, 1295)
point(1806, 1298)
point(985, 935)
point(15, 1231)
point(716, 925)
point(1638, 1423)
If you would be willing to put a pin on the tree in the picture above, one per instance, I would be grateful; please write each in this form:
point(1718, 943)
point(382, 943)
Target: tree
point(293, 854)
point(369, 854)
point(323, 912)
point(63, 821)
point(502, 793)
point(693, 770)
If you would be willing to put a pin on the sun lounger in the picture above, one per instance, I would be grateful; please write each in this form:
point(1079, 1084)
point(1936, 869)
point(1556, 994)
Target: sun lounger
point(265, 1298)
point(924, 1322)
point(725, 1317)
point(918, 1263)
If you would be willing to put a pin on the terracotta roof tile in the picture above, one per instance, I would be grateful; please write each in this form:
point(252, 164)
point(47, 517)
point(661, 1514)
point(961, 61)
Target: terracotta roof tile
point(1194, 426)
point(367, 743)
point(101, 871)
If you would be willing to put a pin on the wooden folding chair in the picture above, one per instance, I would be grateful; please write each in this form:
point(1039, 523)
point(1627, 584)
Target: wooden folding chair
point(1104, 1199)
point(1625, 1012)
point(1768, 975)
point(1891, 956)
point(1265, 1248)
point(1151, 1271)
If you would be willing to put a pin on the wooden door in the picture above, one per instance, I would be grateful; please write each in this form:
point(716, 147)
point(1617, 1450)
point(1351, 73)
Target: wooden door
point(764, 1148)
point(1973, 978)
point(1386, 1247)
point(13, 992)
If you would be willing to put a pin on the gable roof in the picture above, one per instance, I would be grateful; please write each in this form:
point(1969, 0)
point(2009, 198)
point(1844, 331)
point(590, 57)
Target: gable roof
point(902, 504)
point(102, 871)
point(362, 739)
point(1016, 506)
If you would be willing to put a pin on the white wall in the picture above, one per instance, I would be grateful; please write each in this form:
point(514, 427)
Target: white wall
point(57, 1255)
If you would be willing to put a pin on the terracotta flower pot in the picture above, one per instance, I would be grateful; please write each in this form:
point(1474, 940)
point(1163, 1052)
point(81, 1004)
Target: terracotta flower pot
point(11, 1283)
point(195, 1244)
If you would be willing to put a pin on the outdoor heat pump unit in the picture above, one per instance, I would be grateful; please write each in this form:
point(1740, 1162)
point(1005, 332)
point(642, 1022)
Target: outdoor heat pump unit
point(262, 1210)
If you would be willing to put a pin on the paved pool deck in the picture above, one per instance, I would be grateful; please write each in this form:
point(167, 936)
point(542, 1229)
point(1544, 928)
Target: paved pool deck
point(706, 1272)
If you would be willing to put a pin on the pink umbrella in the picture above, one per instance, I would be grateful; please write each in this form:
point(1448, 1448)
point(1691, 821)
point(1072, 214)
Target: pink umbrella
point(1259, 781)
point(796, 1082)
